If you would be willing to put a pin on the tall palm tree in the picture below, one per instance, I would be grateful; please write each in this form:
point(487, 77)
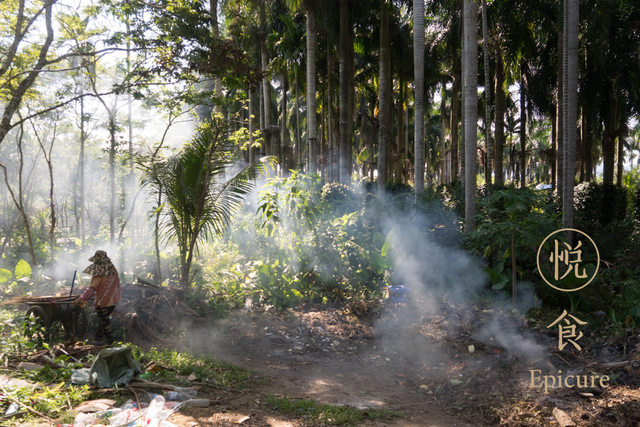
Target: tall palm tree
point(264, 58)
point(311, 91)
point(344, 171)
point(418, 67)
point(571, 111)
point(470, 107)
point(384, 110)
point(487, 97)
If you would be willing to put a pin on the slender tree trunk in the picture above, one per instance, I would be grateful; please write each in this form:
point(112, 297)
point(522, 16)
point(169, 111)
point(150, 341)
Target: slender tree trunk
point(405, 120)
point(571, 108)
point(470, 88)
point(19, 200)
point(330, 109)
point(443, 133)
point(215, 29)
point(81, 167)
point(554, 147)
point(344, 175)
point(252, 107)
point(112, 175)
point(264, 57)
point(500, 101)
point(351, 99)
point(322, 141)
point(400, 137)
point(299, 149)
point(52, 205)
point(261, 103)
point(312, 133)
point(620, 167)
point(418, 67)
point(384, 110)
point(454, 127)
point(487, 97)
point(462, 173)
point(608, 138)
point(284, 166)
point(156, 239)
point(560, 115)
point(523, 130)
point(588, 143)
point(131, 184)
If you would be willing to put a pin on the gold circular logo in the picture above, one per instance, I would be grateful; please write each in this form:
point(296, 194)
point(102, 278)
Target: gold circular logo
point(566, 259)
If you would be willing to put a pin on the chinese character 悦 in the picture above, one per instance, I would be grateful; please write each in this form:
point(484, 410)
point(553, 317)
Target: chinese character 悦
point(561, 255)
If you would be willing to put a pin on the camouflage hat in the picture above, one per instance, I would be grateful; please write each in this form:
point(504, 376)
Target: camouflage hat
point(102, 265)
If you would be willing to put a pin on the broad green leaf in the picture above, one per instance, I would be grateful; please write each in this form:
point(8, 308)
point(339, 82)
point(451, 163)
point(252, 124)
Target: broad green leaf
point(387, 243)
point(501, 284)
point(23, 269)
point(378, 240)
point(5, 275)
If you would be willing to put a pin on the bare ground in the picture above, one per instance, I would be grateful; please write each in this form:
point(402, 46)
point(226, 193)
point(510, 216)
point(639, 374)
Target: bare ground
point(422, 367)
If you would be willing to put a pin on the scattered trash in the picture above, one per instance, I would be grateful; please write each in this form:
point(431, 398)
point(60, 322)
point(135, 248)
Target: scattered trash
point(95, 405)
point(241, 420)
point(471, 348)
point(201, 403)
point(12, 409)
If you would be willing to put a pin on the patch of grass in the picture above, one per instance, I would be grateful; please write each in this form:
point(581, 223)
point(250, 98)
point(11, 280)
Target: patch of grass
point(206, 369)
point(319, 413)
point(52, 401)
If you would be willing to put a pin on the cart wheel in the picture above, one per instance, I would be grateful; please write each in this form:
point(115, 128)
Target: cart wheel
point(78, 325)
point(38, 312)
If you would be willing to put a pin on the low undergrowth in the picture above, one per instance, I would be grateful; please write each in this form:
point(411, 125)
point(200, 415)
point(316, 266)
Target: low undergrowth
point(321, 414)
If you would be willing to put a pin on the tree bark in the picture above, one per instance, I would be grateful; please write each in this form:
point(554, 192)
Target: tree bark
point(344, 175)
point(608, 139)
point(454, 127)
point(112, 175)
point(487, 97)
point(443, 133)
point(500, 101)
point(554, 147)
point(299, 149)
point(284, 166)
point(572, 110)
point(560, 120)
point(384, 110)
point(470, 89)
point(523, 130)
point(330, 139)
point(264, 57)
point(418, 68)
point(312, 133)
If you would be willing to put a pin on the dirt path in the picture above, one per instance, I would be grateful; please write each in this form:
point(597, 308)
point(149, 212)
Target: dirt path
point(326, 356)
point(454, 366)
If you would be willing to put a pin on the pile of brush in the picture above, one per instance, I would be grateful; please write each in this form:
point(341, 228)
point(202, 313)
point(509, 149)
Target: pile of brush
point(151, 312)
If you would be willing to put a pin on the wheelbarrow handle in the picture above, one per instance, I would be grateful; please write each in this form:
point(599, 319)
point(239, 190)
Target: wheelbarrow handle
point(73, 282)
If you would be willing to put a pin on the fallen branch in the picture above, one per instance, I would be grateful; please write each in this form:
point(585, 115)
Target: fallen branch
point(610, 365)
point(46, 359)
point(11, 398)
point(88, 349)
point(15, 414)
point(142, 383)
